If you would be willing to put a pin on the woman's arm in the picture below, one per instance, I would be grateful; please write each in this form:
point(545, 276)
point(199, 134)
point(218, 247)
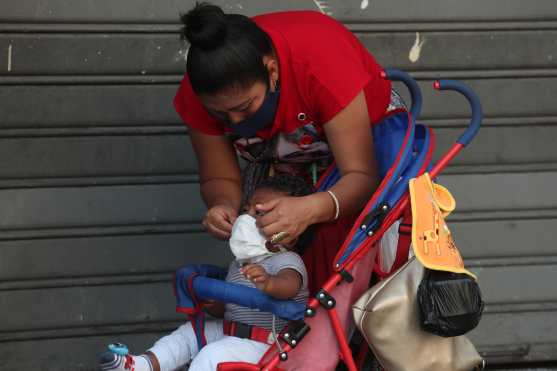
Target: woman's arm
point(220, 181)
point(350, 138)
point(351, 141)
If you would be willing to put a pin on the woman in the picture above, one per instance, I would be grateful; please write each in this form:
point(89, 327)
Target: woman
point(289, 92)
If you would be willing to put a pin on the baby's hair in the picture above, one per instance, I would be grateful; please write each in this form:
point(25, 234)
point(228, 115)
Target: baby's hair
point(292, 185)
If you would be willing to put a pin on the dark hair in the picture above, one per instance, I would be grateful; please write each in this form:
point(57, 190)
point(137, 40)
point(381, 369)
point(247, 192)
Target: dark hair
point(226, 50)
point(293, 186)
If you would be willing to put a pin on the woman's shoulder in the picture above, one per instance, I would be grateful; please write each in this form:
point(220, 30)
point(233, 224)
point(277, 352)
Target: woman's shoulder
point(318, 48)
point(329, 65)
point(301, 18)
point(305, 31)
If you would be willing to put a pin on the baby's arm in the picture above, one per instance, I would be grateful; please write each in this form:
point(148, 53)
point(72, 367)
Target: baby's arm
point(214, 308)
point(284, 285)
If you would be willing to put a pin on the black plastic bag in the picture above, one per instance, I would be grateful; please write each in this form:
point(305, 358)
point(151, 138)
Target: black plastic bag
point(450, 303)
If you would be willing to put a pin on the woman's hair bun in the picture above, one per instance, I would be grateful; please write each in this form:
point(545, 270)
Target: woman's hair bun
point(204, 26)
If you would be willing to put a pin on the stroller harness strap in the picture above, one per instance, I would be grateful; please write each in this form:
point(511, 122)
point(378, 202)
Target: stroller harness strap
point(432, 240)
point(188, 302)
point(244, 331)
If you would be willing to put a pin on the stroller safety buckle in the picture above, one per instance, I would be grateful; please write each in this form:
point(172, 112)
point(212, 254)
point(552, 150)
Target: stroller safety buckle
point(326, 300)
point(295, 333)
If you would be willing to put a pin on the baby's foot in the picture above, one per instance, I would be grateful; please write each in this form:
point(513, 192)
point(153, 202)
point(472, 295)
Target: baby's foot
point(110, 361)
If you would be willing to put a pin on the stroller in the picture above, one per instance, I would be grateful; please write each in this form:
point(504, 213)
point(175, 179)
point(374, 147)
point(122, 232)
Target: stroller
point(319, 332)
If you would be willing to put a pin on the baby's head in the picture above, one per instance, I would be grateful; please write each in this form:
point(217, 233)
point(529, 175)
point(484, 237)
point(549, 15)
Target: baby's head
point(280, 185)
point(246, 241)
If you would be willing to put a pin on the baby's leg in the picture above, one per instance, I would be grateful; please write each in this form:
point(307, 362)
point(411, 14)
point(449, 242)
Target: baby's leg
point(113, 362)
point(168, 353)
point(178, 348)
point(228, 349)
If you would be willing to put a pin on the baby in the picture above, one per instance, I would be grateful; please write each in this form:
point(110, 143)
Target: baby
point(274, 269)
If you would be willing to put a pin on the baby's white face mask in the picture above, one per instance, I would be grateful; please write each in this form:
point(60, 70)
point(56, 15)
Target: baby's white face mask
point(246, 241)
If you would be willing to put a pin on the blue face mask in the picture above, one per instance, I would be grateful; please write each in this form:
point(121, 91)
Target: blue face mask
point(261, 119)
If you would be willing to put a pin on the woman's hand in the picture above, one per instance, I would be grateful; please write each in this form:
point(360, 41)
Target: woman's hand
point(286, 214)
point(220, 181)
point(218, 221)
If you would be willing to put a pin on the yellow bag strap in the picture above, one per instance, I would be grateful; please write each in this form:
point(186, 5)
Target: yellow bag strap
point(432, 240)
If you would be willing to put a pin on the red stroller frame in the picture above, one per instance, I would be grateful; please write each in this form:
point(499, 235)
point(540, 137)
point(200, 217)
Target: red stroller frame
point(389, 203)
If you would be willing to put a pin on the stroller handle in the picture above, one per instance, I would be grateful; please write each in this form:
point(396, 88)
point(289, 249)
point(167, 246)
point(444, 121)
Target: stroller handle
point(475, 105)
point(415, 92)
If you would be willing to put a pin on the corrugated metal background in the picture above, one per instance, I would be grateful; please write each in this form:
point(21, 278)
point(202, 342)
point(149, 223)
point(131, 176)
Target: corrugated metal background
point(98, 186)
